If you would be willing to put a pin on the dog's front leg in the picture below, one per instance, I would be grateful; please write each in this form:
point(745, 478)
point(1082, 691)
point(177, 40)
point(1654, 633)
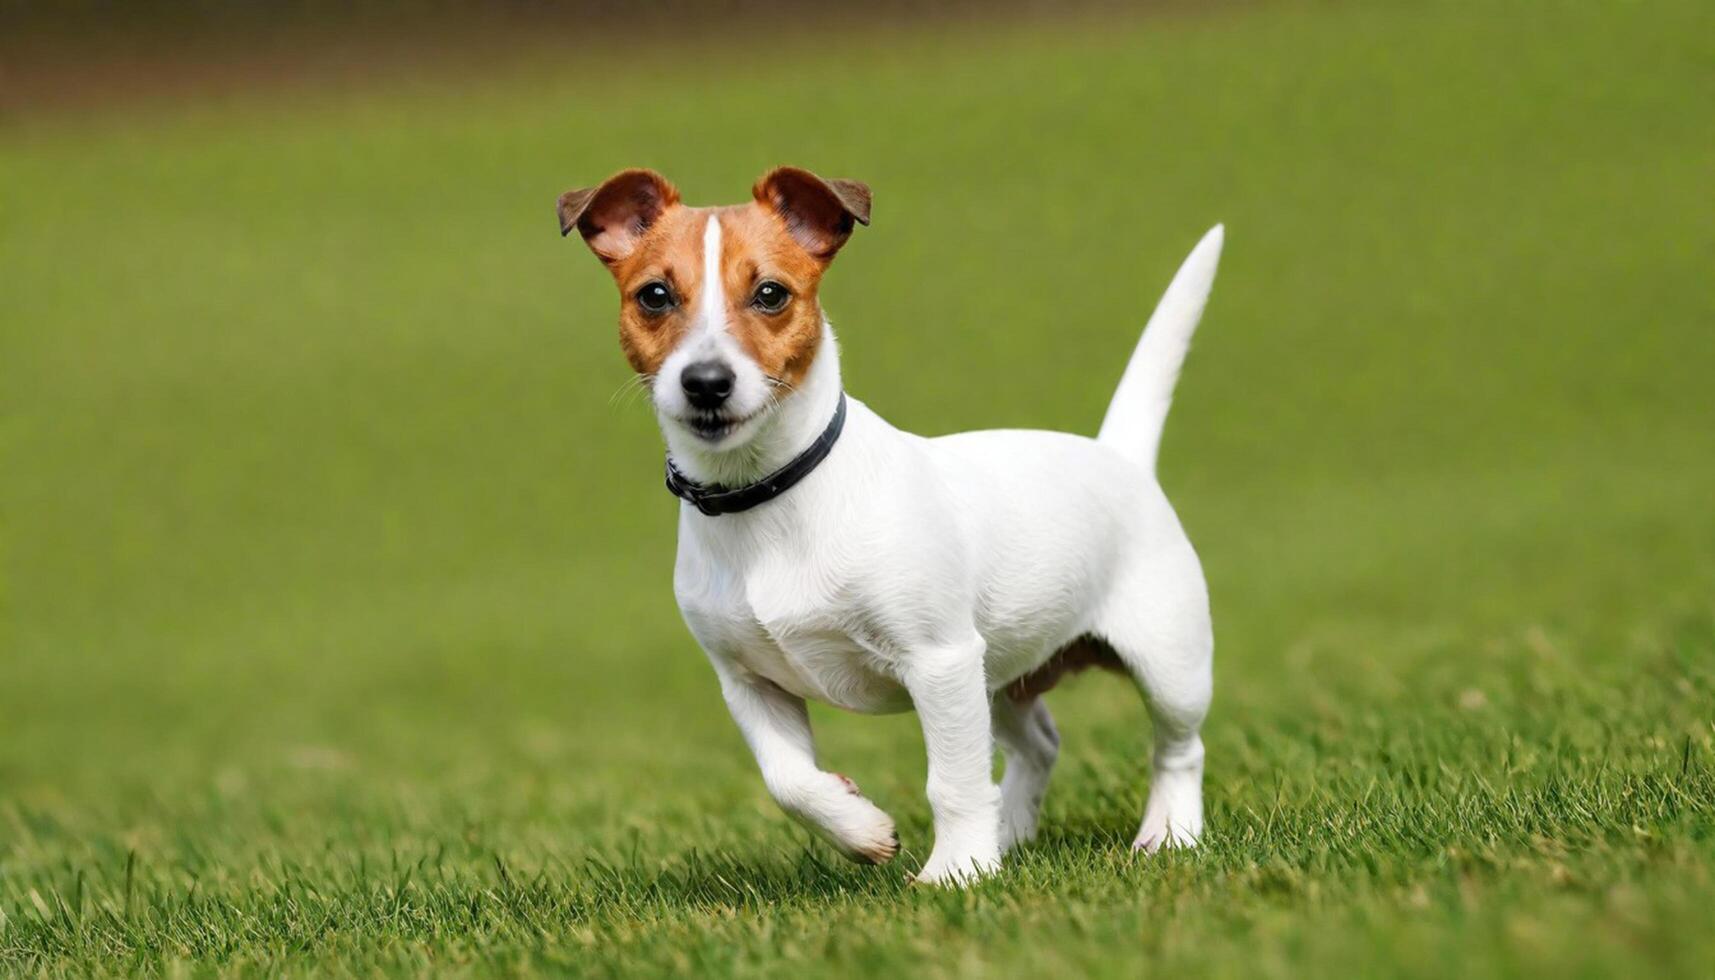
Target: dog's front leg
point(776, 726)
point(951, 696)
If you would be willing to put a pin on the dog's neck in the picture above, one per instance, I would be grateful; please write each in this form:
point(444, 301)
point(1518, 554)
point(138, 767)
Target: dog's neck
point(801, 415)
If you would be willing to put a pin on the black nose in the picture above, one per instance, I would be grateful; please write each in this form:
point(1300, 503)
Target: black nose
point(707, 383)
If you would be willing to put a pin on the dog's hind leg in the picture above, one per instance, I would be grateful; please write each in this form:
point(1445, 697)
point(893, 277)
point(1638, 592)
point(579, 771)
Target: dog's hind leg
point(1030, 742)
point(1158, 625)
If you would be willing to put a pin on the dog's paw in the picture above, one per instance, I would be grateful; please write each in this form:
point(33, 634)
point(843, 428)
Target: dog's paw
point(1018, 821)
point(871, 840)
point(1154, 838)
point(834, 808)
point(1173, 817)
point(955, 870)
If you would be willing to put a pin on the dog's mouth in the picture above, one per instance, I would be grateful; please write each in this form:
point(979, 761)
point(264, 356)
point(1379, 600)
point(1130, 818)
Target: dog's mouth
point(713, 426)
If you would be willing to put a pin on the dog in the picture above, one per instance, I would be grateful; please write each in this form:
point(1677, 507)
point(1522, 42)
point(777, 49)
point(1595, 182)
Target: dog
point(824, 554)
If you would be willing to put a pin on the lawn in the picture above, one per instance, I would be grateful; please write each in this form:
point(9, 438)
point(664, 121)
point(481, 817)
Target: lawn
point(336, 630)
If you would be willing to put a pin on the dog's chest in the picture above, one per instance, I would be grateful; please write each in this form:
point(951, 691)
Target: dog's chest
point(764, 621)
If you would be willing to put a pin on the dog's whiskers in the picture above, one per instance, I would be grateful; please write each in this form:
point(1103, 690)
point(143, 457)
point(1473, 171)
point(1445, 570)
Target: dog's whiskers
point(776, 389)
point(628, 391)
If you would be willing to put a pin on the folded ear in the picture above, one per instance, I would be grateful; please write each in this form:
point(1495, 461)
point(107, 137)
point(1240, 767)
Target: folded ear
point(818, 213)
point(613, 217)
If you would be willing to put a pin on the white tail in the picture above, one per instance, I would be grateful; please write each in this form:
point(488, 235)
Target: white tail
point(1138, 411)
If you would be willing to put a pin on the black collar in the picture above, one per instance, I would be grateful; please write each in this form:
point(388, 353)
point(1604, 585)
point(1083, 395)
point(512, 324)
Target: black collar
point(715, 501)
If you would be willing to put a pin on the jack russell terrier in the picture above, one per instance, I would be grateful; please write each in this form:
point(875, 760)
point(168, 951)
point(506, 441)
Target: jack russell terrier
point(825, 554)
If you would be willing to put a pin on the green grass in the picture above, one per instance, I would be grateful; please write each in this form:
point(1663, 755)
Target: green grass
point(337, 626)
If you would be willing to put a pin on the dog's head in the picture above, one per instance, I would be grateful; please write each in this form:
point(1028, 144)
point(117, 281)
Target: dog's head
point(718, 309)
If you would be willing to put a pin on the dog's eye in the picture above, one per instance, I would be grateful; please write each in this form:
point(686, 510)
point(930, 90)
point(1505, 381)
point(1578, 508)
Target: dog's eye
point(655, 298)
point(770, 297)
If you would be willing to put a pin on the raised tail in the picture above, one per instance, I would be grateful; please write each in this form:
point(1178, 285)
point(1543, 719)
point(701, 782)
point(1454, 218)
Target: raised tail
point(1139, 408)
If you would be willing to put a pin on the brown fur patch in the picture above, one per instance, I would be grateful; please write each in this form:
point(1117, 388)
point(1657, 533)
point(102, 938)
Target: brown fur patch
point(1081, 654)
point(671, 251)
point(788, 234)
point(755, 247)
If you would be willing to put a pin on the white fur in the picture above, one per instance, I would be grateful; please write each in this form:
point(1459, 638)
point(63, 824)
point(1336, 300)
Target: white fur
point(931, 573)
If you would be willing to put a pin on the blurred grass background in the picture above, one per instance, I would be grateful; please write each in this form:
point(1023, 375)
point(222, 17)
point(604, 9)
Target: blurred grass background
point(337, 626)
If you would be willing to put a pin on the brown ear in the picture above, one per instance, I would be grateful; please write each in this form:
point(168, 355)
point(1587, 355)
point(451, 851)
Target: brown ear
point(614, 216)
point(818, 213)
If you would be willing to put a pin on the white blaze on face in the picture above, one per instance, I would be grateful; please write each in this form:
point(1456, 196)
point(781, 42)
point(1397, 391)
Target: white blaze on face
point(710, 339)
point(711, 306)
